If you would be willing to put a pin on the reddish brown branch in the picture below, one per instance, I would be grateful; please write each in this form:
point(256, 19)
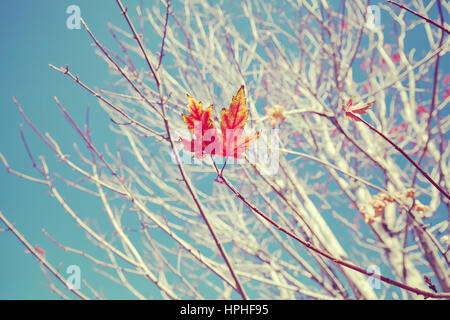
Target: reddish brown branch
point(238, 287)
point(423, 172)
point(433, 98)
point(311, 247)
point(420, 16)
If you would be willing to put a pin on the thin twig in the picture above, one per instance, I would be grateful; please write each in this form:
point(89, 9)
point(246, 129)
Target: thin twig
point(88, 256)
point(161, 53)
point(100, 97)
point(118, 67)
point(423, 172)
point(138, 40)
point(40, 258)
point(433, 99)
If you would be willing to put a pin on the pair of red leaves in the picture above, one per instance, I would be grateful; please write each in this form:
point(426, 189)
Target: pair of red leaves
point(229, 141)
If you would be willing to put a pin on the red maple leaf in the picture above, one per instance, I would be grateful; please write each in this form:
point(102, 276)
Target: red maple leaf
point(359, 108)
point(232, 125)
point(197, 115)
point(199, 122)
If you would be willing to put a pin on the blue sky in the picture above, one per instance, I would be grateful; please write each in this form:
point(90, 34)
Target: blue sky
point(34, 34)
